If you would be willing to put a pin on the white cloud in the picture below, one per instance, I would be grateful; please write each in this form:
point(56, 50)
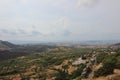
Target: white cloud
point(85, 3)
point(58, 18)
point(24, 2)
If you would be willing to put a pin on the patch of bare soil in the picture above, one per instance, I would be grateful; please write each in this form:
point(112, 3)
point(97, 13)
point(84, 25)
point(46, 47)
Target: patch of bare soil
point(71, 69)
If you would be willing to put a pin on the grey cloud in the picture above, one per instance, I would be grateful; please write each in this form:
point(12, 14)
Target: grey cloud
point(7, 32)
point(22, 31)
point(59, 22)
point(66, 33)
point(36, 33)
point(32, 32)
point(86, 3)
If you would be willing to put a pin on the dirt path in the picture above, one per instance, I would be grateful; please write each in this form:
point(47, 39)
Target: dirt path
point(95, 67)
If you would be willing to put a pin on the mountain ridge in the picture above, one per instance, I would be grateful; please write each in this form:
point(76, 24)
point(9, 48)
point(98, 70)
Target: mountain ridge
point(6, 45)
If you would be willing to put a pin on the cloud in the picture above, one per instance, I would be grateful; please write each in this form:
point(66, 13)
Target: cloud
point(67, 33)
point(24, 2)
point(20, 32)
point(58, 18)
point(7, 32)
point(36, 33)
point(61, 23)
point(85, 3)
point(32, 32)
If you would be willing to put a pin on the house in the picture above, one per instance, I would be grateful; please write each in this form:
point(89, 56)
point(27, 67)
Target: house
point(79, 61)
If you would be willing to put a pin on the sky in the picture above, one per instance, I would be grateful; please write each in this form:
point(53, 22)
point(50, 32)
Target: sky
point(59, 20)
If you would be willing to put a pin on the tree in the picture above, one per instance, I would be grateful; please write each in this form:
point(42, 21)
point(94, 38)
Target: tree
point(108, 66)
point(62, 73)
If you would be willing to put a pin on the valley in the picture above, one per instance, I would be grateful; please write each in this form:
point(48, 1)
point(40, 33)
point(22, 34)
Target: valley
point(53, 62)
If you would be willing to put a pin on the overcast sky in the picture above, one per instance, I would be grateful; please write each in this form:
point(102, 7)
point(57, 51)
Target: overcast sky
point(59, 20)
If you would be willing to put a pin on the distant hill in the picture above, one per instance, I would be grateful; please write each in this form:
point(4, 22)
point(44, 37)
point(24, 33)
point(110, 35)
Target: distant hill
point(117, 44)
point(6, 45)
point(9, 50)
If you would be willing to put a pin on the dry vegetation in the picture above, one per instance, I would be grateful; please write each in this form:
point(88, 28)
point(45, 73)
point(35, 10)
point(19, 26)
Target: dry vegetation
point(56, 64)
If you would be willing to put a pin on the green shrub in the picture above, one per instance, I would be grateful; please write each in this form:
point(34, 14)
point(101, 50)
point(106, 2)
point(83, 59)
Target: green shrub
point(108, 66)
point(118, 64)
point(101, 57)
point(78, 72)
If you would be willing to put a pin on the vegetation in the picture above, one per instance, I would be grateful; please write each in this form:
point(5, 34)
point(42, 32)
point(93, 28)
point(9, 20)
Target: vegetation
point(78, 72)
point(37, 64)
point(110, 63)
point(56, 63)
point(100, 58)
point(108, 67)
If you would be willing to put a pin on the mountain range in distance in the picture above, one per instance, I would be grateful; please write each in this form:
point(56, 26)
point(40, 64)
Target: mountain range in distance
point(6, 45)
point(15, 44)
point(10, 50)
point(70, 42)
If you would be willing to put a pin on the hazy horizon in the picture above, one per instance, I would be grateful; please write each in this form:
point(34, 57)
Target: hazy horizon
point(75, 42)
point(59, 20)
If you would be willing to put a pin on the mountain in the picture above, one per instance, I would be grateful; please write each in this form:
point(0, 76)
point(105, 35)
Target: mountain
point(9, 50)
point(117, 44)
point(6, 45)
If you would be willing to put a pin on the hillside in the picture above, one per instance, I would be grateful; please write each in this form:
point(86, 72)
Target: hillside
point(10, 51)
point(64, 64)
point(117, 44)
point(40, 66)
point(6, 45)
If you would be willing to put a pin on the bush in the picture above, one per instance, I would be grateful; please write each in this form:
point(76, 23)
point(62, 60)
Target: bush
point(78, 72)
point(101, 57)
point(118, 64)
point(62, 75)
point(9, 73)
point(108, 66)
